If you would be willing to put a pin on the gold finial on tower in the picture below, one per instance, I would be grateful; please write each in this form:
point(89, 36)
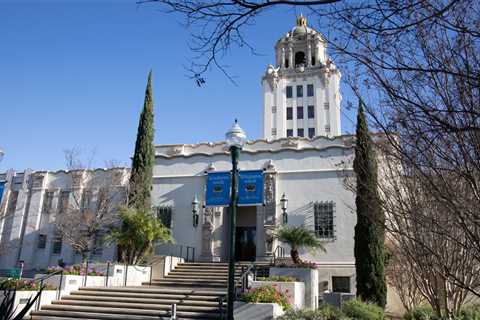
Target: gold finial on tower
point(301, 21)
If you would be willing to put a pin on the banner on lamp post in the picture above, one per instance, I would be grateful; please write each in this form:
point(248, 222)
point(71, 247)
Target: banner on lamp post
point(218, 189)
point(250, 188)
point(2, 187)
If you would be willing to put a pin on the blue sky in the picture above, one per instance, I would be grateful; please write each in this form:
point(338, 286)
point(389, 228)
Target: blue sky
point(73, 74)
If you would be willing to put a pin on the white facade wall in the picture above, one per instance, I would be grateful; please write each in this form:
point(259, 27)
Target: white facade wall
point(20, 229)
point(306, 170)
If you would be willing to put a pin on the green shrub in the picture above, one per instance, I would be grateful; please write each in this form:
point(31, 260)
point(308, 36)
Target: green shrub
point(470, 312)
point(324, 312)
point(266, 294)
point(420, 313)
point(278, 279)
point(358, 310)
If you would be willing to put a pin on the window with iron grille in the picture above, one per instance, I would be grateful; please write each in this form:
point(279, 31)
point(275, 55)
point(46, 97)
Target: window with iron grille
point(300, 132)
point(311, 112)
point(324, 214)
point(341, 284)
point(289, 91)
point(289, 132)
point(311, 132)
point(289, 113)
point(309, 90)
point(299, 91)
point(57, 245)
point(274, 131)
point(164, 214)
point(326, 105)
point(42, 241)
point(47, 202)
point(300, 112)
point(63, 201)
point(327, 128)
point(274, 109)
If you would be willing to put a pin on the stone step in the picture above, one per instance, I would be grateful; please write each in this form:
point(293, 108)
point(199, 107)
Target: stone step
point(190, 279)
point(154, 290)
point(186, 284)
point(124, 311)
point(92, 315)
point(130, 305)
point(194, 301)
point(126, 295)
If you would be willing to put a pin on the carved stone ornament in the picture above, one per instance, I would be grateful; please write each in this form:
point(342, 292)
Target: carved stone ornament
point(211, 167)
point(269, 165)
point(270, 199)
point(208, 215)
point(37, 180)
point(269, 238)
point(272, 75)
point(207, 234)
point(290, 143)
point(175, 151)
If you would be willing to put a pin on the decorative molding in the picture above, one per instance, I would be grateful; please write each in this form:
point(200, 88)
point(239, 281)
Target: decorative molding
point(290, 143)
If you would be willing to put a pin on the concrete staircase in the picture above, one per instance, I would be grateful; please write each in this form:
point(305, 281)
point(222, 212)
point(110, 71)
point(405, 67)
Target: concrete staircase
point(194, 287)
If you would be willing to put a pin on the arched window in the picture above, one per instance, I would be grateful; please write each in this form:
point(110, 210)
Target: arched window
point(286, 63)
point(299, 58)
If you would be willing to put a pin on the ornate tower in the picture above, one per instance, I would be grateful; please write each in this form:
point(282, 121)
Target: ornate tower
point(301, 96)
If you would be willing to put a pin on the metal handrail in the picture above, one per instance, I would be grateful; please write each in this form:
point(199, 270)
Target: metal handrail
point(243, 279)
point(42, 279)
point(279, 252)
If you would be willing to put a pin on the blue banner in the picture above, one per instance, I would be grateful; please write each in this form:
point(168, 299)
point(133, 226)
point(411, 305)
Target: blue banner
point(2, 187)
point(218, 189)
point(250, 187)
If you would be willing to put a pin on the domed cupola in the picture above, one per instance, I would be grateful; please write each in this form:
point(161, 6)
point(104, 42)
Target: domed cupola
point(301, 48)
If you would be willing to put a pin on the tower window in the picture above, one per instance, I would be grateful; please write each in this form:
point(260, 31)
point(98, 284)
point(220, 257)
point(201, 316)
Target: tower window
point(311, 112)
point(310, 90)
point(300, 132)
point(274, 109)
point(289, 113)
point(300, 112)
point(289, 91)
point(299, 58)
point(311, 132)
point(326, 105)
point(299, 91)
point(289, 132)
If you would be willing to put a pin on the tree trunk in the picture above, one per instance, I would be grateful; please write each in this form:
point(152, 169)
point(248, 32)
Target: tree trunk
point(295, 256)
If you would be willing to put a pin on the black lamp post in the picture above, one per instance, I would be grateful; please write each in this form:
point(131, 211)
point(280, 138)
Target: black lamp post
point(235, 139)
point(284, 202)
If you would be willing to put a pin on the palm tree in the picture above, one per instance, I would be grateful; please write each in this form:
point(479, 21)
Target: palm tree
point(297, 238)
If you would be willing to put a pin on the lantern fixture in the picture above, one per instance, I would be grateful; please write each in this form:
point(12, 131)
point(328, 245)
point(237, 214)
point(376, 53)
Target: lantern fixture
point(195, 205)
point(284, 202)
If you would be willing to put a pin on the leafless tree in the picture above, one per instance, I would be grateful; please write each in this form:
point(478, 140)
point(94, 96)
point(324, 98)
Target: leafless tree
point(90, 210)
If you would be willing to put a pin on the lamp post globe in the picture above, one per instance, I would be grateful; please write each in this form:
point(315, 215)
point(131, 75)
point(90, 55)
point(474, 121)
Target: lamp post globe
point(235, 139)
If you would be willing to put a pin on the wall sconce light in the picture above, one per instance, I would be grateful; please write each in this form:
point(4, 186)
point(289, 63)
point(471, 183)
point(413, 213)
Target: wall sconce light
point(195, 205)
point(284, 202)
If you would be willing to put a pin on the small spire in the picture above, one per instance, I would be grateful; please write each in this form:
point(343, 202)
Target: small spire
point(301, 21)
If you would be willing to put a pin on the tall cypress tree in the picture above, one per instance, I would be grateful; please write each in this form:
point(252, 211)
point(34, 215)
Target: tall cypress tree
point(369, 231)
point(139, 196)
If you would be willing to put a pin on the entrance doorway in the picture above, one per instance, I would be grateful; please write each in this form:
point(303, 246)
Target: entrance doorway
point(245, 240)
point(246, 234)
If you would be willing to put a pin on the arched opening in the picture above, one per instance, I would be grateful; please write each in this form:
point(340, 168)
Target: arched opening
point(299, 58)
point(313, 60)
point(286, 63)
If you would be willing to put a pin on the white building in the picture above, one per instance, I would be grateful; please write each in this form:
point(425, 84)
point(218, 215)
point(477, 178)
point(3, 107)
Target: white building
point(30, 203)
point(301, 98)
